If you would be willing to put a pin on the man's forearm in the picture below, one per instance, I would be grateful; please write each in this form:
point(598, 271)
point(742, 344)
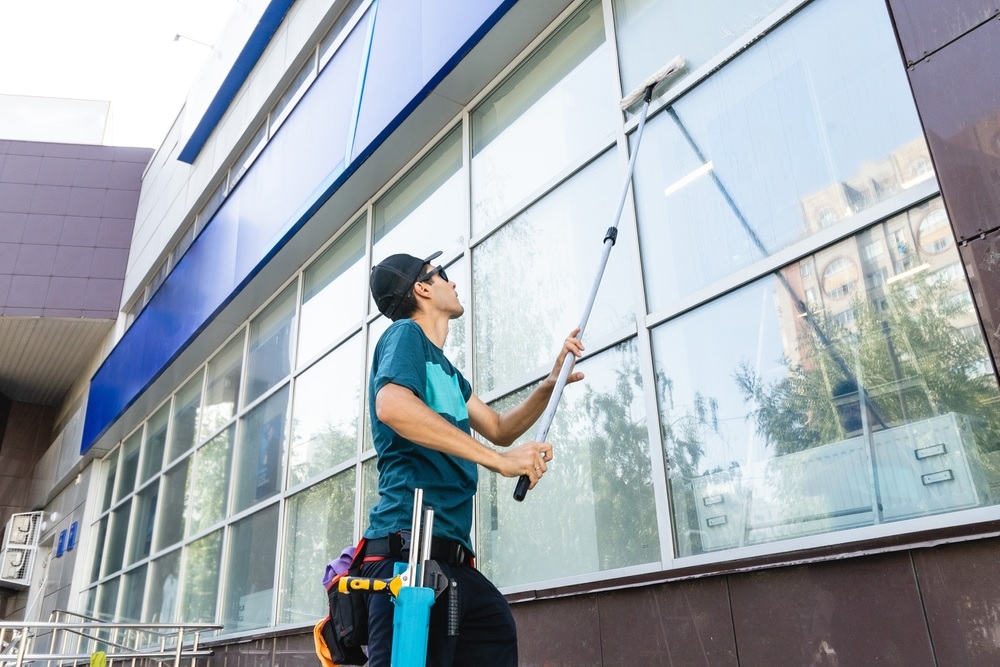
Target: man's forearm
point(401, 410)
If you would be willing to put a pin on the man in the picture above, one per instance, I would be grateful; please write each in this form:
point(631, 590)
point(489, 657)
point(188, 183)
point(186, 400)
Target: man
point(421, 412)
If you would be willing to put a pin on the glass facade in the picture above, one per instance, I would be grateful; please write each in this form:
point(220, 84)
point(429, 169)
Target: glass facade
point(783, 353)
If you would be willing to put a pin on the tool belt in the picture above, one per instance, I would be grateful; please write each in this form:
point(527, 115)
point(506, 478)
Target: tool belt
point(397, 545)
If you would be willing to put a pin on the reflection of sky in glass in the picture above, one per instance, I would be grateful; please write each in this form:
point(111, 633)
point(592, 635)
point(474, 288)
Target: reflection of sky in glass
point(333, 293)
point(797, 129)
point(423, 212)
point(541, 120)
point(651, 33)
point(533, 276)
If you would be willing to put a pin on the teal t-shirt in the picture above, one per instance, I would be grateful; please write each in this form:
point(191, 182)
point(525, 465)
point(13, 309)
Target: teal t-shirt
point(406, 357)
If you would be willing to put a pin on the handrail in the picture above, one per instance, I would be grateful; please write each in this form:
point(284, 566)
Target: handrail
point(119, 641)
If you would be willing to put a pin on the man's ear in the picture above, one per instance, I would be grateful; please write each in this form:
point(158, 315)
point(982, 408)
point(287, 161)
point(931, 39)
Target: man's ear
point(421, 290)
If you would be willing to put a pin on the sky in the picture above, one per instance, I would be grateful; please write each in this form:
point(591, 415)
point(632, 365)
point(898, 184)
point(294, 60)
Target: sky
point(122, 51)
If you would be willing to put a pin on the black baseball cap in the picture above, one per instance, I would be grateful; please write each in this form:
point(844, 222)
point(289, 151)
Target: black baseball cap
point(393, 277)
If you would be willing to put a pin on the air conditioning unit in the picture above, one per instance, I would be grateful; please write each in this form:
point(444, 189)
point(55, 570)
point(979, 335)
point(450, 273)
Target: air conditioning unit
point(20, 543)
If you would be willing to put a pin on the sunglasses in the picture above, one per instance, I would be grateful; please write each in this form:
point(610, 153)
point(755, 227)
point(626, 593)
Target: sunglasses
point(437, 270)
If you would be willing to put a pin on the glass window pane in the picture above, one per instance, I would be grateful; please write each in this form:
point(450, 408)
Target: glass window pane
point(114, 548)
point(184, 431)
point(532, 278)
point(107, 599)
point(164, 576)
point(130, 464)
point(808, 421)
point(375, 331)
point(101, 531)
point(261, 451)
point(319, 526)
point(782, 142)
point(199, 594)
point(601, 481)
point(143, 519)
point(454, 344)
point(156, 440)
point(557, 106)
point(111, 475)
point(430, 198)
point(207, 493)
point(651, 34)
point(333, 295)
point(175, 482)
point(270, 356)
point(325, 414)
point(133, 594)
point(249, 597)
point(224, 373)
point(369, 487)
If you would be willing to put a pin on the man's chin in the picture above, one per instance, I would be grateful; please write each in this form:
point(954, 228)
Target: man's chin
point(459, 313)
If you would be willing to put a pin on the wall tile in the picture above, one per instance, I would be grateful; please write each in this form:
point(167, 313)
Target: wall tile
point(49, 199)
point(561, 633)
point(926, 25)
point(683, 623)
point(103, 295)
point(866, 611)
point(12, 227)
point(27, 291)
point(79, 231)
point(961, 117)
point(86, 201)
point(92, 173)
point(8, 257)
point(44, 229)
point(115, 233)
point(981, 257)
point(66, 293)
point(16, 197)
point(109, 263)
point(21, 169)
point(74, 262)
point(56, 171)
point(35, 260)
point(960, 584)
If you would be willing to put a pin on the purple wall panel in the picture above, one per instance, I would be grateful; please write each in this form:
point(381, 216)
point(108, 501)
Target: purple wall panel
point(961, 117)
point(53, 199)
point(924, 26)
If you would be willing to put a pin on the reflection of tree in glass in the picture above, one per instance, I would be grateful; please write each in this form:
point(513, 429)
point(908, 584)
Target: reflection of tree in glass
point(327, 446)
point(201, 578)
point(684, 434)
point(622, 476)
point(601, 511)
point(206, 494)
point(320, 525)
point(911, 358)
point(513, 322)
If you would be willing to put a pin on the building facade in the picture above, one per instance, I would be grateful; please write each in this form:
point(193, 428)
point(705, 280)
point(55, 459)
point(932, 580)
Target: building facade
point(787, 447)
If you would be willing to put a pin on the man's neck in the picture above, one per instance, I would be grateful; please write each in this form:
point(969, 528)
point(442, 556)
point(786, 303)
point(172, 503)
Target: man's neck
point(435, 327)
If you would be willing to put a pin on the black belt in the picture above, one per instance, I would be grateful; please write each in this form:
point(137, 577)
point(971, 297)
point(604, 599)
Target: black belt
point(397, 545)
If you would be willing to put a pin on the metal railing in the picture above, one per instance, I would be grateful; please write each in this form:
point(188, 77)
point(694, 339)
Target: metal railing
point(72, 639)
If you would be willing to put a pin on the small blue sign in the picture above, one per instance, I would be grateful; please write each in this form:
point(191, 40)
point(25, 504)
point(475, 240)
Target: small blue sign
point(61, 548)
point(74, 529)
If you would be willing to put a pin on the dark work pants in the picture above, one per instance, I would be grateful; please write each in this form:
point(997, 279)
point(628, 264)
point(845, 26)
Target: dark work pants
point(486, 636)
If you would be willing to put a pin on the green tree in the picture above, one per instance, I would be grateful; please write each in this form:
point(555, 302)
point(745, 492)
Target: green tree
point(910, 357)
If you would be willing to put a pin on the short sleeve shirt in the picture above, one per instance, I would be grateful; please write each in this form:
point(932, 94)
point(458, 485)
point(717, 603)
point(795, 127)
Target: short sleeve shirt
point(406, 357)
